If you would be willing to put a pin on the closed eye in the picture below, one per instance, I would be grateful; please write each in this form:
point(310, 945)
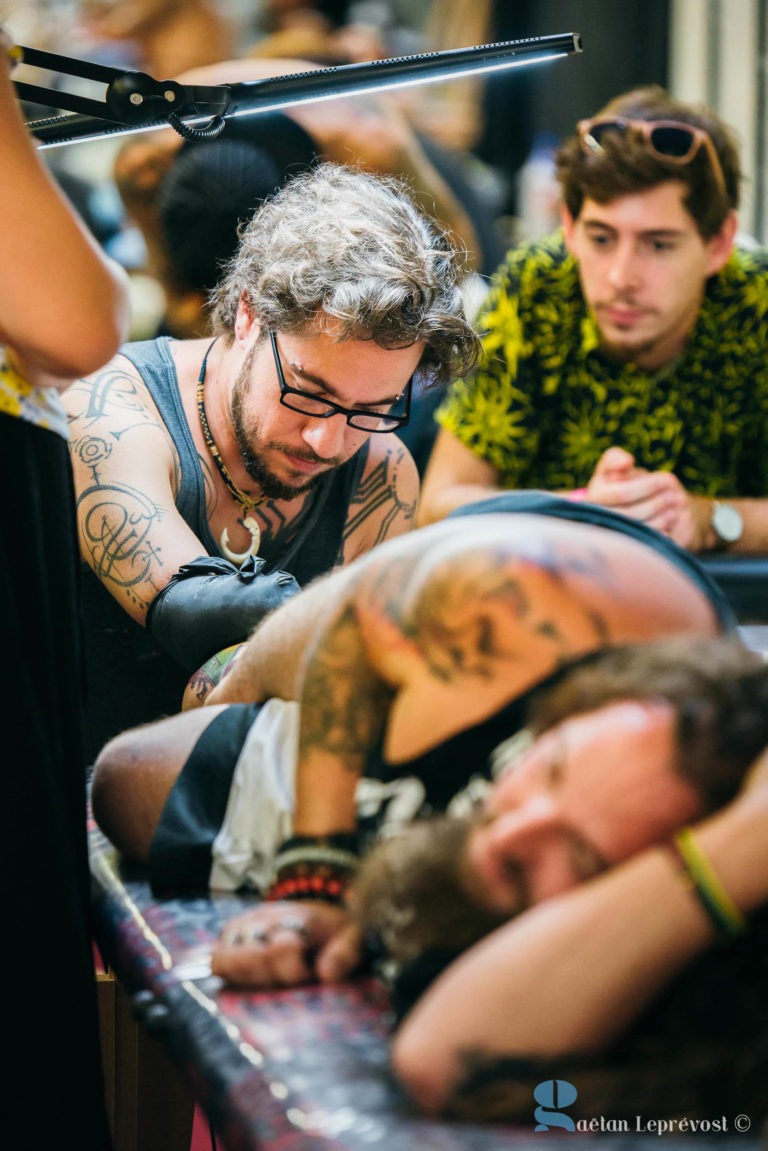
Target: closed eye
point(554, 769)
point(585, 859)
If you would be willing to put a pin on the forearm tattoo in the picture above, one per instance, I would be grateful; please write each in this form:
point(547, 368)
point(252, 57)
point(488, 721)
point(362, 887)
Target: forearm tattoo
point(344, 703)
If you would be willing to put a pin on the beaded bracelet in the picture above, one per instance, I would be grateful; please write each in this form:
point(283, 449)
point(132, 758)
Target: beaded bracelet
point(345, 841)
point(315, 867)
point(726, 918)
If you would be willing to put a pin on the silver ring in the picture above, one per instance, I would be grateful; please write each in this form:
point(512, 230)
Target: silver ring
point(296, 925)
point(291, 923)
point(254, 934)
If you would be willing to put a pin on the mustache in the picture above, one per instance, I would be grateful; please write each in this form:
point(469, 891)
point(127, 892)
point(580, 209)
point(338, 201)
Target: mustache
point(622, 302)
point(309, 456)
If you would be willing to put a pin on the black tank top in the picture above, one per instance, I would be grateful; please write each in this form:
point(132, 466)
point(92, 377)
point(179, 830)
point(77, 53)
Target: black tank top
point(129, 678)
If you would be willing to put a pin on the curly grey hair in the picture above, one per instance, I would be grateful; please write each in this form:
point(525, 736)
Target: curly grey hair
point(341, 243)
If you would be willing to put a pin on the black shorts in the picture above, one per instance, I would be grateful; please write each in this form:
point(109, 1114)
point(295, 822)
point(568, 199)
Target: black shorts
point(180, 855)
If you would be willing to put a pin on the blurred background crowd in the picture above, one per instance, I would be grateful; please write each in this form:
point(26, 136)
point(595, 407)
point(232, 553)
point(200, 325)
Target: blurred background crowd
point(490, 139)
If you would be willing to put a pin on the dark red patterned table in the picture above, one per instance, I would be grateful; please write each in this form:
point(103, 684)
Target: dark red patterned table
point(299, 1070)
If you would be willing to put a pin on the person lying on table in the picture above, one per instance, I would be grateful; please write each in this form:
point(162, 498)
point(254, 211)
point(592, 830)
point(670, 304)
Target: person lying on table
point(639, 992)
point(407, 669)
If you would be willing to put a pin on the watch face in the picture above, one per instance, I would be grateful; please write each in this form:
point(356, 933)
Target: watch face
point(727, 523)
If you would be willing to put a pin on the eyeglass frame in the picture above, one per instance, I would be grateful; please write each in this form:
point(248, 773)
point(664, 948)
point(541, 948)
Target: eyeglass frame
point(645, 128)
point(334, 409)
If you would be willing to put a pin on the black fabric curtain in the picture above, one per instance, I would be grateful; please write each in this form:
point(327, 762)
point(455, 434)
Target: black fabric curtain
point(625, 45)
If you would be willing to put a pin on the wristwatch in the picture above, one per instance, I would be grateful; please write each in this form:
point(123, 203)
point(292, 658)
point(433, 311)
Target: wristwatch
point(727, 524)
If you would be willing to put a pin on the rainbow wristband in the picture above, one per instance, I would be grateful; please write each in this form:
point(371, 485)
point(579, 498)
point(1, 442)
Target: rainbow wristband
point(726, 918)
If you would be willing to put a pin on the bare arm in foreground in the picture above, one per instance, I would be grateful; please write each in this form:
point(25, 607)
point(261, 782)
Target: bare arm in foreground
point(62, 316)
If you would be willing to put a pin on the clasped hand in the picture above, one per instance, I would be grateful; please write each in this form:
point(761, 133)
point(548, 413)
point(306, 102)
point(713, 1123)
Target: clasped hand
point(658, 499)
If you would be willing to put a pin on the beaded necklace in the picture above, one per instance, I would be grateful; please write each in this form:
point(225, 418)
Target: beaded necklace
point(247, 503)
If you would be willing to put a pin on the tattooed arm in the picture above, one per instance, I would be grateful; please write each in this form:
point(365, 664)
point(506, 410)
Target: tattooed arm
point(434, 632)
point(126, 476)
point(454, 620)
point(382, 507)
point(425, 638)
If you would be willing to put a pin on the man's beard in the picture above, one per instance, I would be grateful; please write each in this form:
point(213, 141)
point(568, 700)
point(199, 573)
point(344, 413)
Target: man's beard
point(627, 353)
point(272, 488)
point(413, 890)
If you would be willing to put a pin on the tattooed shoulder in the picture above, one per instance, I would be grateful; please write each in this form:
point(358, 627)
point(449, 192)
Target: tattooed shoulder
point(384, 502)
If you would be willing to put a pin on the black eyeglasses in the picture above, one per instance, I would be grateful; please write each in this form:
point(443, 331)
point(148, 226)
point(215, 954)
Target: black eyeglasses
point(669, 140)
point(310, 405)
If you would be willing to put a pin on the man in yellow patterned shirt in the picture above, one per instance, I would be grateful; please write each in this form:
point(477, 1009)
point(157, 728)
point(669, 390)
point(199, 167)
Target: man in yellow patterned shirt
point(626, 357)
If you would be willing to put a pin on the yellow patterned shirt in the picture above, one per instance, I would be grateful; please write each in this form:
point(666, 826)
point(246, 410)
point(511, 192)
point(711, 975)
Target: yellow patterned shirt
point(41, 406)
point(544, 403)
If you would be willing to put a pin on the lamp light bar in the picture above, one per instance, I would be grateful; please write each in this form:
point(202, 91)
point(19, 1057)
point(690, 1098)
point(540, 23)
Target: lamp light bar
point(135, 102)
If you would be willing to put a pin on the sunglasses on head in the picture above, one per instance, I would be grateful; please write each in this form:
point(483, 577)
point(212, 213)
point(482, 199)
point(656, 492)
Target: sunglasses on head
point(669, 140)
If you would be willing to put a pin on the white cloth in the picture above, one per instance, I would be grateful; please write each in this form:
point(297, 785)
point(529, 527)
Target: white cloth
point(260, 806)
point(259, 813)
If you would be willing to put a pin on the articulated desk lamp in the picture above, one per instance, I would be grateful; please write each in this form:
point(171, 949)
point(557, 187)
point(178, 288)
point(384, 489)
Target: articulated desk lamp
point(135, 102)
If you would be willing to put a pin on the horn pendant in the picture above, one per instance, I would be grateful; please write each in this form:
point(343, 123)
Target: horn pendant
point(239, 558)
